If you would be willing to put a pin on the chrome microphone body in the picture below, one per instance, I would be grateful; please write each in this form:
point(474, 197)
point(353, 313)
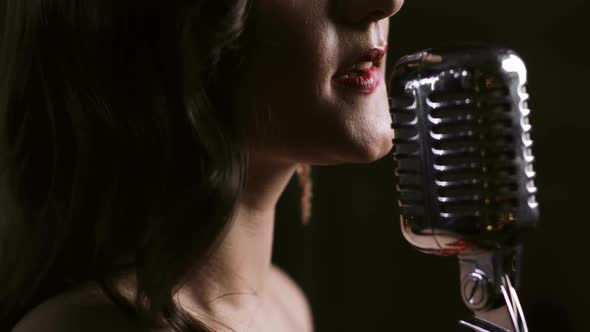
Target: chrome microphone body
point(464, 159)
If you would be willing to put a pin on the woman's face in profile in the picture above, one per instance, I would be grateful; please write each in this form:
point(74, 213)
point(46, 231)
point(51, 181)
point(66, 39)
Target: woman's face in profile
point(314, 83)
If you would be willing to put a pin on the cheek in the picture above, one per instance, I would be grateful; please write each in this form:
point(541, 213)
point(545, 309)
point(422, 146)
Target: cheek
point(294, 112)
point(286, 75)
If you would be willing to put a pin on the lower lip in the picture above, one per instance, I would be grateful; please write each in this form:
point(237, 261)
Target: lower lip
point(365, 84)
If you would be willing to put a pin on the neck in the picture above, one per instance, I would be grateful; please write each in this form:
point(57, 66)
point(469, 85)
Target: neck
point(233, 282)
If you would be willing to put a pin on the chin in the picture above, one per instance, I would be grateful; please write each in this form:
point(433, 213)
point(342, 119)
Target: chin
point(368, 153)
point(380, 151)
point(353, 150)
point(371, 135)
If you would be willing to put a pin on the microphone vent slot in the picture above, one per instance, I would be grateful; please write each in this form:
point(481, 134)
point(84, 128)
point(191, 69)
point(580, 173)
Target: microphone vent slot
point(463, 145)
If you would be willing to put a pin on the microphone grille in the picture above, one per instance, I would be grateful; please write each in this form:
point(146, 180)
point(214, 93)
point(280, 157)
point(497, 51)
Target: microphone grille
point(463, 144)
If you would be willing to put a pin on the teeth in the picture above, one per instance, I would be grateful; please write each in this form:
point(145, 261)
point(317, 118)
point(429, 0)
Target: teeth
point(363, 65)
point(352, 74)
point(358, 69)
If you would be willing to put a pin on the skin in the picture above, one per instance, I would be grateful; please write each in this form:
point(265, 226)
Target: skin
point(295, 114)
point(298, 48)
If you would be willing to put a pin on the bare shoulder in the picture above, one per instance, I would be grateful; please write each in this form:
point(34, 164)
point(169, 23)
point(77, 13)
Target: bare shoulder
point(77, 311)
point(293, 298)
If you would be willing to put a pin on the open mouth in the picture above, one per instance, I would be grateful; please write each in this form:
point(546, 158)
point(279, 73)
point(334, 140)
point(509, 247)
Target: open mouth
point(363, 76)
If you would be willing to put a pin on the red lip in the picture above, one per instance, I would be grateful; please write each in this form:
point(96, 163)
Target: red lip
point(374, 55)
point(364, 81)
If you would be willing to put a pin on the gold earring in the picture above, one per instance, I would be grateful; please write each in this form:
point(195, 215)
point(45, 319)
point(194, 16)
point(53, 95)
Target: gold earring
point(305, 184)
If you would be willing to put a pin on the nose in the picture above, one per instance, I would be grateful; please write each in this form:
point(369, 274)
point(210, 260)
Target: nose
point(360, 12)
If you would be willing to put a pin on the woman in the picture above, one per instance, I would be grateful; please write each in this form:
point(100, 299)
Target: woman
point(144, 148)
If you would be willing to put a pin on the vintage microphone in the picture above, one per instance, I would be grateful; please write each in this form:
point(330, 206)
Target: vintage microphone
point(464, 168)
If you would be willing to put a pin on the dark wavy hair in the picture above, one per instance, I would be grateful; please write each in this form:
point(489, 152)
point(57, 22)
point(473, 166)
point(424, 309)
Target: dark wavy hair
point(119, 147)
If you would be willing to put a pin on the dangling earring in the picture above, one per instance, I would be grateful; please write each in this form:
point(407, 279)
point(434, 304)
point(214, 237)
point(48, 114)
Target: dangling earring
point(305, 184)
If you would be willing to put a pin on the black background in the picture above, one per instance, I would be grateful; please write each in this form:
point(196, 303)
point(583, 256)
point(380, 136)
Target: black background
point(352, 262)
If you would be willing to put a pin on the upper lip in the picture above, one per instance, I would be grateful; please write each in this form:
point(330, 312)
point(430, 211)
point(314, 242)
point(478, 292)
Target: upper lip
point(374, 54)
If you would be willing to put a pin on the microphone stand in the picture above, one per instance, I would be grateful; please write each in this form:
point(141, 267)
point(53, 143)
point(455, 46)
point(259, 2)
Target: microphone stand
point(488, 288)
